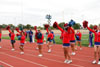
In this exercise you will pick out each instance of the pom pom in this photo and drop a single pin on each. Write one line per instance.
(85, 23)
(16, 28)
(55, 24)
(35, 27)
(71, 23)
(8, 27)
(46, 26)
(17, 35)
(65, 24)
(95, 27)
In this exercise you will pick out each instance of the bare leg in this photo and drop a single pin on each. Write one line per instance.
(95, 52)
(40, 49)
(21, 48)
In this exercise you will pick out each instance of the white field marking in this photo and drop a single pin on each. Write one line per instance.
(49, 59)
(24, 60)
(79, 55)
(61, 56)
(6, 63)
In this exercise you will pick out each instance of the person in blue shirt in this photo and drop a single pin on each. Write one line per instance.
(53, 36)
(90, 39)
(30, 36)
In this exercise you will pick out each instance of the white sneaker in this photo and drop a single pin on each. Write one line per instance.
(40, 55)
(73, 53)
(98, 62)
(94, 62)
(69, 61)
(75, 48)
(49, 50)
(25, 42)
(80, 48)
(0, 47)
(21, 52)
(37, 48)
(66, 61)
(12, 49)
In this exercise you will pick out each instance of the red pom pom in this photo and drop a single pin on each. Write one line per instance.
(35, 27)
(85, 23)
(17, 34)
(46, 26)
(55, 24)
(17, 29)
(65, 24)
(8, 27)
(95, 27)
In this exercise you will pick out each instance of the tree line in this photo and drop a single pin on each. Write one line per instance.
(28, 26)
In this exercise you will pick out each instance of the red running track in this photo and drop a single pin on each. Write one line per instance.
(10, 58)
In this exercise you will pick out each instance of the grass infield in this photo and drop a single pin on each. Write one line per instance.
(85, 39)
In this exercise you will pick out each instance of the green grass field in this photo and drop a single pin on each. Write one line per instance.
(85, 39)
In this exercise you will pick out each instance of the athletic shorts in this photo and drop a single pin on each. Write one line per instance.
(21, 43)
(78, 40)
(12, 41)
(97, 43)
(72, 41)
(50, 40)
(40, 43)
(0, 39)
(66, 44)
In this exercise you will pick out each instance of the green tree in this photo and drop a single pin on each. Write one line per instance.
(62, 24)
(28, 26)
(77, 26)
(91, 26)
(11, 25)
(4, 25)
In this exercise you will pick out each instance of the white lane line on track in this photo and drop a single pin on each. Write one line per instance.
(78, 55)
(61, 56)
(6, 63)
(24, 60)
(48, 59)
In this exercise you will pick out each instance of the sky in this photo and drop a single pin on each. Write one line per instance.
(34, 11)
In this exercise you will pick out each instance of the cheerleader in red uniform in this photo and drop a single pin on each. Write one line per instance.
(66, 41)
(78, 39)
(22, 42)
(0, 37)
(96, 42)
(72, 40)
(39, 37)
(49, 39)
(12, 37)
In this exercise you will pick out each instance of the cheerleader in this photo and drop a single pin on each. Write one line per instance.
(12, 37)
(72, 40)
(78, 39)
(22, 42)
(96, 42)
(66, 41)
(39, 37)
(49, 39)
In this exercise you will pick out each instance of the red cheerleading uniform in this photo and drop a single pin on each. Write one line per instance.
(97, 35)
(79, 34)
(72, 35)
(40, 40)
(22, 39)
(0, 35)
(65, 35)
(25, 33)
(50, 35)
(12, 35)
